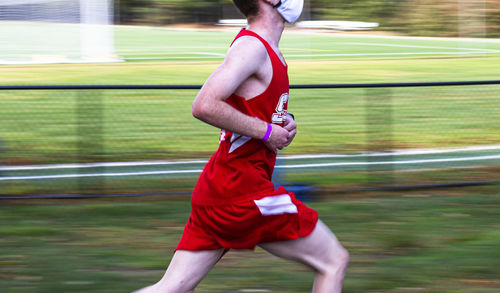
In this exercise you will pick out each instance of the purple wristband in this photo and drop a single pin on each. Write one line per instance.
(268, 132)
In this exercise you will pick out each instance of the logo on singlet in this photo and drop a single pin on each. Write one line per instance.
(280, 115)
(222, 136)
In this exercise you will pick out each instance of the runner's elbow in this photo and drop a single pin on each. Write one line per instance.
(200, 110)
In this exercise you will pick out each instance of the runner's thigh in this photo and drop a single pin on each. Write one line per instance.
(318, 250)
(187, 269)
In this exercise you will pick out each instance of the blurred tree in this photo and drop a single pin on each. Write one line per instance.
(160, 12)
(355, 10)
(493, 18)
(415, 17)
(207, 11)
(428, 18)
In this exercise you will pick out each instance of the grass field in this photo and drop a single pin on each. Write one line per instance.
(427, 241)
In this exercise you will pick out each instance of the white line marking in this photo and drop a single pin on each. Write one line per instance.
(99, 175)
(397, 153)
(410, 152)
(422, 47)
(162, 49)
(375, 36)
(167, 58)
(205, 55)
(480, 158)
(387, 54)
(97, 165)
(174, 52)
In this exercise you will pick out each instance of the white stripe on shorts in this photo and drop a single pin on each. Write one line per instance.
(276, 205)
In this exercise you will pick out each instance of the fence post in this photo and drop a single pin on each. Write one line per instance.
(2, 149)
(90, 141)
(379, 138)
(2, 160)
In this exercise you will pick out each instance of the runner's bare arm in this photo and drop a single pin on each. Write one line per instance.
(243, 60)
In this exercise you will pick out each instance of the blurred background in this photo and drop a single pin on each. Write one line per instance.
(398, 145)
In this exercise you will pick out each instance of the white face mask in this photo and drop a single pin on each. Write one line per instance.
(290, 10)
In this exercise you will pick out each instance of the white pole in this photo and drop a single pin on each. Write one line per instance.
(97, 31)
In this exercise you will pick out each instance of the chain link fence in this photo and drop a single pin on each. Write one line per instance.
(133, 140)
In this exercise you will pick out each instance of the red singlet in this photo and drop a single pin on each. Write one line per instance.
(234, 203)
(242, 167)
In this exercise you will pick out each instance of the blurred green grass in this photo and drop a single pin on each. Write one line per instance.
(69, 126)
(433, 241)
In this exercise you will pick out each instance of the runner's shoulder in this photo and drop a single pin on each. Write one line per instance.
(247, 47)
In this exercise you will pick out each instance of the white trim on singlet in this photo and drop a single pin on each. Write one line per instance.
(237, 141)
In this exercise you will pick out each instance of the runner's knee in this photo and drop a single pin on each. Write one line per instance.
(343, 257)
(336, 262)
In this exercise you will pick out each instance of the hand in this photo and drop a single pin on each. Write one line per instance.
(279, 138)
(291, 126)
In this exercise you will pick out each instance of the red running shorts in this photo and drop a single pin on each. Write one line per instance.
(243, 225)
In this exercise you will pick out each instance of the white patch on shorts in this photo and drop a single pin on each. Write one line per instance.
(276, 205)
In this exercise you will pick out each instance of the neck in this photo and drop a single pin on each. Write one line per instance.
(269, 25)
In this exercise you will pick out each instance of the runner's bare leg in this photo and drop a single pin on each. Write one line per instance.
(185, 271)
(321, 251)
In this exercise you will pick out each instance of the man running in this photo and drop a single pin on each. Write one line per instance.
(234, 203)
